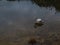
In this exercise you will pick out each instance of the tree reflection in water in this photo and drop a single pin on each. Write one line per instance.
(48, 3)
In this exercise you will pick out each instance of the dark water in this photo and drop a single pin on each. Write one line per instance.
(17, 20)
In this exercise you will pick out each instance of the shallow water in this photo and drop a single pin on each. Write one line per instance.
(17, 19)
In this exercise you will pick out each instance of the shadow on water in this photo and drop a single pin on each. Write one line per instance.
(48, 3)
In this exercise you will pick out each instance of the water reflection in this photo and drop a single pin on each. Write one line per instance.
(48, 3)
(22, 14)
(17, 19)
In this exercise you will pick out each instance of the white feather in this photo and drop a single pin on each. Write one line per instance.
(38, 20)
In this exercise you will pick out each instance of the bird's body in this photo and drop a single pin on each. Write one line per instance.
(38, 20)
(38, 23)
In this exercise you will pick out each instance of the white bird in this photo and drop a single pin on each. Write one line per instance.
(38, 20)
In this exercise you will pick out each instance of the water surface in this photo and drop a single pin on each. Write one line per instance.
(17, 20)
